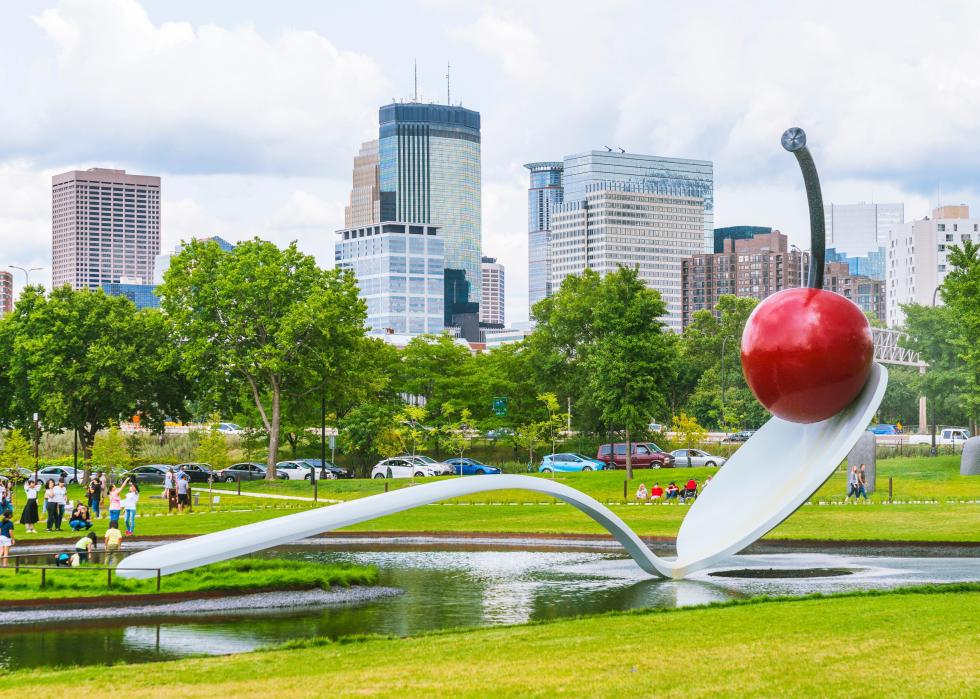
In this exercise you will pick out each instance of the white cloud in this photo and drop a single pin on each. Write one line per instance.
(513, 44)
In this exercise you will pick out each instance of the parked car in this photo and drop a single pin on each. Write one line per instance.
(441, 468)
(19, 474)
(569, 463)
(743, 436)
(698, 458)
(655, 427)
(247, 471)
(229, 428)
(197, 472)
(325, 469)
(948, 436)
(471, 467)
(399, 467)
(883, 429)
(151, 473)
(643, 455)
(499, 433)
(70, 474)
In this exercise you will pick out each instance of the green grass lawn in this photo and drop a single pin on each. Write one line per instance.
(892, 644)
(236, 575)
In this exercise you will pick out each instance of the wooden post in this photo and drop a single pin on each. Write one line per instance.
(109, 580)
(158, 579)
(43, 571)
(239, 484)
(386, 485)
(625, 486)
(889, 488)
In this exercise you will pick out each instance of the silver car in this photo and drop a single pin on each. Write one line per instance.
(698, 458)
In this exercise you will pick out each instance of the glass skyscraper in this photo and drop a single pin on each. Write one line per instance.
(543, 195)
(430, 173)
(671, 176)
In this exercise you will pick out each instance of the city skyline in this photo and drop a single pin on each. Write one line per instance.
(238, 166)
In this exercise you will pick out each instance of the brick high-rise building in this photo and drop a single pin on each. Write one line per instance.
(762, 265)
(105, 225)
(6, 292)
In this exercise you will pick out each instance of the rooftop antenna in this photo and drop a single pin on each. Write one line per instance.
(608, 148)
(448, 102)
(621, 149)
(416, 98)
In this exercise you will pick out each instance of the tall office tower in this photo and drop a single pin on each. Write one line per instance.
(543, 195)
(754, 267)
(917, 257)
(736, 233)
(678, 177)
(364, 207)
(399, 269)
(430, 174)
(629, 225)
(858, 229)
(105, 226)
(492, 290)
(6, 292)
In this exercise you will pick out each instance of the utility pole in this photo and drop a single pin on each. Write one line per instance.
(448, 102)
(37, 445)
(569, 428)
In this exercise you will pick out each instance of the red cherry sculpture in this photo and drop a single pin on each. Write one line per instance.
(806, 353)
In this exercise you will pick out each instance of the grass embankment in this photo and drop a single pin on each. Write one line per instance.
(890, 644)
(239, 575)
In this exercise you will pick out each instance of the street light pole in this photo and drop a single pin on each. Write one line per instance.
(27, 272)
(723, 419)
(932, 450)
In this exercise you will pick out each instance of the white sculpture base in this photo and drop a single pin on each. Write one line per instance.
(766, 480)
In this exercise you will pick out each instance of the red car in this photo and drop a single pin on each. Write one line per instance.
(643, 455)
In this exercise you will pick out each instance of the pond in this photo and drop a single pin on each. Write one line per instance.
(454, 588)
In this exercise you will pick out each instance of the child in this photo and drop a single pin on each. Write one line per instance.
(113, 537)
(6, 536)
(85, 546)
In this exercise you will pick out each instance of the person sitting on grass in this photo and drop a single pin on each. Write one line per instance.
(85, 546)
(641, 492)
(6, 536)
(80, 518)
(113, 538)
(672, 490)
(656, 492)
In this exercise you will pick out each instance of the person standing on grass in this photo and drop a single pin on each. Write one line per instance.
(50, 506)
(29, 517)
(6, 536)
(115, 504)
(86, 546)
(852, 484)
(129, 504)
(95, 497)
(61, 499)
(103, 487)
(113, 539)
(183, 491)
(862, 484)
(4, 497)
(168, 488)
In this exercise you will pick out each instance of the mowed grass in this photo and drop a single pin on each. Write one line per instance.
(892, 644)
(229, 576)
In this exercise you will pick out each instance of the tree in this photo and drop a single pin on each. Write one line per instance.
(530, 436)
(267, 317)
(110, 451)
(212, 448)
(434, 368)
(689, 432)
(82, 359)
(961, 291)
(456, 431)
(16, 453)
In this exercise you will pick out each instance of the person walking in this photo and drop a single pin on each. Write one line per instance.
(61, 499)
(115, 504)
(129, 504)
(94, 493)
(852, 484)
(862, 484)
(50, 506)
(168, 489)
(29, 517)
(183, 491)
(6, 536)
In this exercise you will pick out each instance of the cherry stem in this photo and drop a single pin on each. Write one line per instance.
(794, 140)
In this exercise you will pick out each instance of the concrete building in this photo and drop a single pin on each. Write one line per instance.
(429, 173)
(544, 193)
(679, 177)
(492, 293)
(6, 292)
(755, 267)
(762, 265)
(399, 268)
(917, 253)
(858, 229)
(105, 225)
(736, 233)
(364, 207)
(618, 224)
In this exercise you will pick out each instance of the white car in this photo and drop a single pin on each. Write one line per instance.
(294, 470)
(229, 428)
(698, 458)
(402, 467)
(439, 467)
(70, 474)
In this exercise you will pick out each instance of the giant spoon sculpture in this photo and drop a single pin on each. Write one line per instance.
(807, 356)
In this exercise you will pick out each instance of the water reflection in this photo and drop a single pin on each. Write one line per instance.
(451, 589)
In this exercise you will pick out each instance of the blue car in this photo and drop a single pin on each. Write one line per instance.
(471, 467)
(566, 463)
(883, 429)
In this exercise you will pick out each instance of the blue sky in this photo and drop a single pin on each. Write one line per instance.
(252, 111)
